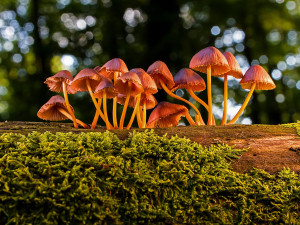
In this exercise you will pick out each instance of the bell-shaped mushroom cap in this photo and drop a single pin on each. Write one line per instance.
(113, 65)
(122, 82)
(49, 111)
(149, 99)
(187, 78)
(147, 81)
(210, 56)
(166, 115)
(235, 69)
(107, 86)
(79, 82)
(55, 82)
(257, 74)
(121, 100)
(159, 70)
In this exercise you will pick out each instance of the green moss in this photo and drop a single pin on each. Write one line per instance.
(96, 178)
(293, 125)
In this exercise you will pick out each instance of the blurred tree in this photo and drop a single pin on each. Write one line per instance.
(38, 38)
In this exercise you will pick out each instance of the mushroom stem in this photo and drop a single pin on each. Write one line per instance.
(65, 113)
(201, 102)
(105, 107)
(115, 121)
(224, 118)
(68, 104)
(125, 106)
(197, 98)
(96, 114)
(108, 125)
(189, 118)
(139, 116)
(209, 100)
(137, 105)
(239, 113)
(182, 99)
(144, 115)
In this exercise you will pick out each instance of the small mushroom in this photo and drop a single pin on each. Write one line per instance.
(149, 89)
(104, 90)
(193, 82)
(87, 80)
(56, 109)
(168, 114)
(163, 78)
(60, 82)
(212, 62)
(235, 71)
(129, 84)
(147, 101)
(112, 69)
(256, 78)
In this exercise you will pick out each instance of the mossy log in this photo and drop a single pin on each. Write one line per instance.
(270, 147)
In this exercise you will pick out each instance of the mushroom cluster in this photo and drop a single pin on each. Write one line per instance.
(136, 89)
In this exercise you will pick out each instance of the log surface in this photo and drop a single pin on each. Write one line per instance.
(269, 146)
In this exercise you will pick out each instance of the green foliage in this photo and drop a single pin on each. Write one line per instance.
(95, 178)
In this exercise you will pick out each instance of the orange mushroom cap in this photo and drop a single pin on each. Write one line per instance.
(79, 83)
(107, 85)
(235, 69)
(187, 78)
(55, 82)
(159, 70)
(122, 81)
(121, 100)
(257, 74)
(210, 56)
(149, 99)
(49, 111)
(147, 81)
(111, 66)
(166, 115)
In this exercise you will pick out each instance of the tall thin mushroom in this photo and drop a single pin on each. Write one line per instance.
(56, 109)
(167, 114)
(212, 62)
(192, 82)
(236, 72)
(87, 80)
(149, 88)
(104, 90)
(112, 70)
(163, 78)
(256, 78)
(60, 82)
(129, 84)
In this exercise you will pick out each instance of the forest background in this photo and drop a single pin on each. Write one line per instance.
(38, 38)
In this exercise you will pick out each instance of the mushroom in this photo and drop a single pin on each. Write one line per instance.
(104, 90)
(87, 80)
(60, 82)
(256, 78)
(235, 71)
(113, 69)
(149, 89)
(212, 62)
(168, 114)
(190, 80)
(147, 101)
(56, 109)
(129, 84)
(164, 79)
